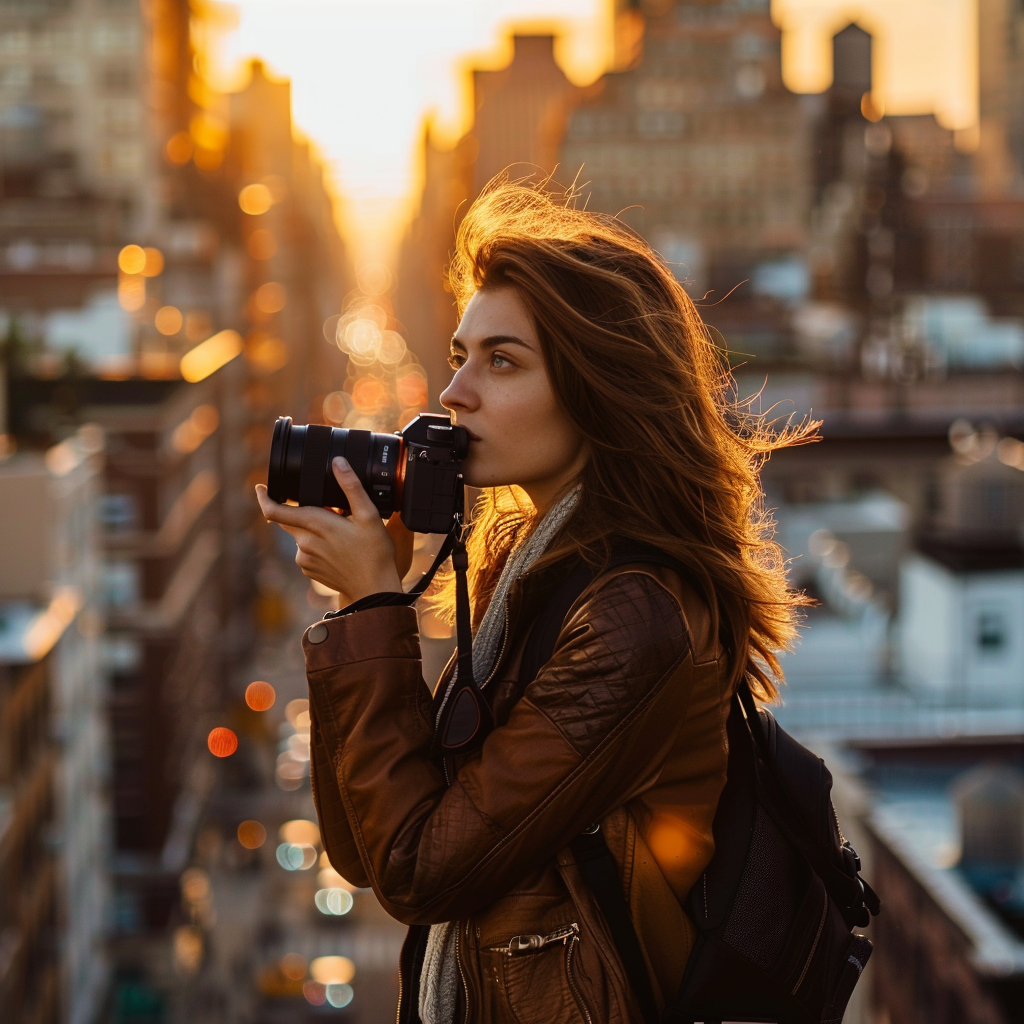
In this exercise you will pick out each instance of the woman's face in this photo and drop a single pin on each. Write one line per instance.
(502, 395)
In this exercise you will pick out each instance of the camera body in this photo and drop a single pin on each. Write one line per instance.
(416, 472)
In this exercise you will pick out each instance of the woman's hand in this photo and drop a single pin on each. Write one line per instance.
(354, 554)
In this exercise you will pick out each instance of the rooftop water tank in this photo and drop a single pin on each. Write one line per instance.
(990, 805)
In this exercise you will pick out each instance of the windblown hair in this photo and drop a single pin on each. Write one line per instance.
(674, 460)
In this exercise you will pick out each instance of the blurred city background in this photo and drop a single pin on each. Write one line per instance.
(185, 254)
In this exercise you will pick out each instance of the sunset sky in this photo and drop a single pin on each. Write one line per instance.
(364, 74)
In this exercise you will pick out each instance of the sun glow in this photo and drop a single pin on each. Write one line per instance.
(364, 76)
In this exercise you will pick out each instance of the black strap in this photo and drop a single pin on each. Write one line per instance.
(394, 597)
(465, 718)
(595, 860)
(601, 873)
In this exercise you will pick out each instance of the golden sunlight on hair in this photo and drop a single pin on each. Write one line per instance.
(633, 365)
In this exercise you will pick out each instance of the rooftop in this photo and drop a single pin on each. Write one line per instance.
(963, 555)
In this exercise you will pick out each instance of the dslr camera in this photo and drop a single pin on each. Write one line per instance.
(416, 472)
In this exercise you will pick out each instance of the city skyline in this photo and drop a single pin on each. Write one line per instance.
(925, 62)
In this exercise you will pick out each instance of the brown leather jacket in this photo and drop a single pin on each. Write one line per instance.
(625, 725)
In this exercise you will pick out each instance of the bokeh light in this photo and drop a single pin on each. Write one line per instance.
(131, 259)
(255, 199)
(293, 966)
(179, 148)
(369, 395)
(188, 949)
(222, 741)
(332, 970)
(296, 856)
(339, 995)
(294, 708)
(265, 352)
(411, 387)
(333, 902)
(131, 292)
(315, 993)
(300, 831)
(154, 262)
(260, 695)
(261, 244)
(392, 348)
(195, 885)
(270, 297)
(210, 355)
(337, 406)
(188, 435)
(328, 878)
(168, 320)
(374, 279)
(251, 834)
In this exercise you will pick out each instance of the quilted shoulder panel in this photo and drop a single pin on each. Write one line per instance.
(624, 639)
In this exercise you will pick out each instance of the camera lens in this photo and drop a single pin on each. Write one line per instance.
(300, 464)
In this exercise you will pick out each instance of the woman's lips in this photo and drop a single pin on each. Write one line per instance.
(472, 436)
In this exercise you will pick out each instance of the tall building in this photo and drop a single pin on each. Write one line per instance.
(166, 277)
(1000, 156)
(520, 112)
(55, 842)
(699, 146)
(520, 115)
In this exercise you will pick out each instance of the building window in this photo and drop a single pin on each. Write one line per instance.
(121, 584)
(119, 513)
(991, 635)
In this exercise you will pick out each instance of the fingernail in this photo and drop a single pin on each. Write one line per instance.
(341, 463)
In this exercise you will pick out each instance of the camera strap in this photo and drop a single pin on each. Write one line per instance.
(465, 718)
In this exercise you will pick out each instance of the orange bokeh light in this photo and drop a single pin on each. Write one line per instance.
(412, 389)
(154, 262)
(168, 320)
(179, 148)
(255, 199)
(260, 696)
(222, 741)
(270, 297)
(261, 244)
(132, 259)
(252, 835)
(369, 394)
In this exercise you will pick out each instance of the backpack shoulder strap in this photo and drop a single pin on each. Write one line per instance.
(594, 859)
(601, 873)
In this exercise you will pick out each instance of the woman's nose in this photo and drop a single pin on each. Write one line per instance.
(459, 394)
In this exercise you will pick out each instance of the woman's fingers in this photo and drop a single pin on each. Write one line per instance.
(358, 500)
(292, 517)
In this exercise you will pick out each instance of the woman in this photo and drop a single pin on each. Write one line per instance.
(598, 412)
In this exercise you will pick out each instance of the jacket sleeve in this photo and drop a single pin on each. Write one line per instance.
(591, 731)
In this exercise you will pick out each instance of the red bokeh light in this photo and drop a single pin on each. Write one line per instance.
(222, 742)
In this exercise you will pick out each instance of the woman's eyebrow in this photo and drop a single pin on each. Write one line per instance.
(493, 341)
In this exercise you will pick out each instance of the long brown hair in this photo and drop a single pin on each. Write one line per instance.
(674, 459)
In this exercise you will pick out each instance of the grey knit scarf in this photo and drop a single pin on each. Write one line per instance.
(439, 979)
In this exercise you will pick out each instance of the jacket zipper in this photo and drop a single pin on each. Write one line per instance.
(398, 1012)
(574, 988)
(814, 947)
(462, 976)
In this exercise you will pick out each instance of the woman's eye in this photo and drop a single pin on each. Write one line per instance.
(499, 362)
(455, 360)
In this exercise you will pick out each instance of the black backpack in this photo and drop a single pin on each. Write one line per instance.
(775, 908)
